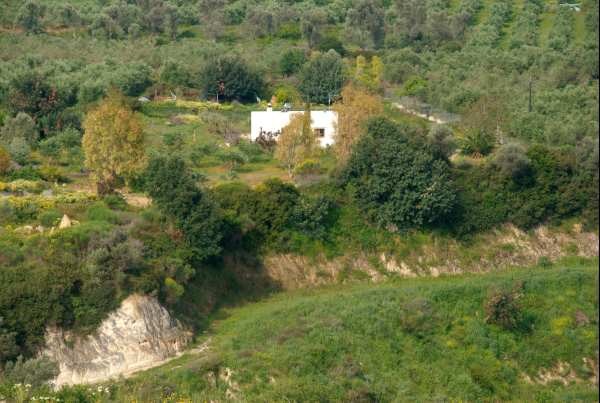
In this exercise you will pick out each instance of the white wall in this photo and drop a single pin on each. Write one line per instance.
(273, 121)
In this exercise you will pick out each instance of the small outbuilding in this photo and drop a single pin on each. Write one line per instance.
(269, 123)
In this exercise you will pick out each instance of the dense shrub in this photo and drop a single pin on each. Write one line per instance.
(65, 140)
(8, 343)
(503, 308)
(291, 61)
(511, 160)
(441, 140)
(99, 211)
(29, 17)
(314, 216)
(19, 150)
(322, 78)
(552, 189)
(31, 92)
(331, 42)
(396, 180)
(34, 372)
(50, 218)
(231, 78)
(173, 188)
(21, 126)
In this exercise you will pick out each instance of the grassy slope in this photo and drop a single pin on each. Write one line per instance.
(338, 344)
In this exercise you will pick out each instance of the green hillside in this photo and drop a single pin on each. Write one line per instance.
(423, 339)
(467, 141)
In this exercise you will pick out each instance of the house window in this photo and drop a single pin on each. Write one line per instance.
(320, 132)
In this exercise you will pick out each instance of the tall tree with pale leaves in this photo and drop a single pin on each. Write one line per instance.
(113, 142)
(297, 142)
(355, 107)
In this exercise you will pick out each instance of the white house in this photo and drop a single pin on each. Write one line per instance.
(271, 122)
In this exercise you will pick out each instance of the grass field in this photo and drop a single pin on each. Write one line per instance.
(417, 340)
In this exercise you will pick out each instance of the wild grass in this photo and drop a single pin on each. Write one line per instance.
(419, 340)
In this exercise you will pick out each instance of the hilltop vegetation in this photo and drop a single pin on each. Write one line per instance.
(131, 118)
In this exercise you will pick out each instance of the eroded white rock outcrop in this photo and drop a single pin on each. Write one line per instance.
(139, 335)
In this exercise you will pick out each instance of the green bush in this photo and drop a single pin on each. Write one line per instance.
(291, 61)
(115, 201)
(314, 216)
(322, 78)
(19, 150)
(396, 180)
(99, 211)
(503, 308)
(477, 143)
(64, 140)
(173, 189)
(34, 372)
(553, 189)
(231, 78)
(50, 218)
(512, 161)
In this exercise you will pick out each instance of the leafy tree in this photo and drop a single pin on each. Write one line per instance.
(511, 159)
(212, 16)
(369, 75)
(173, 189)
(402, 64)
(113, 142)
(313, 216)
(66, 15)
(330, 41)
(171, 21)
(4, 161)
(132, 79)
(174, 74)
(261, 22)
(484, 123)
(68, 140)
(286, 93)
(230, 77)
(411, 20)
(311, 25)
(123, 15)
(396, 180)
(441, 141)
(173, 289)
(30, 92)
(292, 61)
(296, 142)
(322, 78)
(355, 107)
(19, 150)
(273, 207)
(105, 27)
(29, 17)
(365, 24)
(21, 126)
